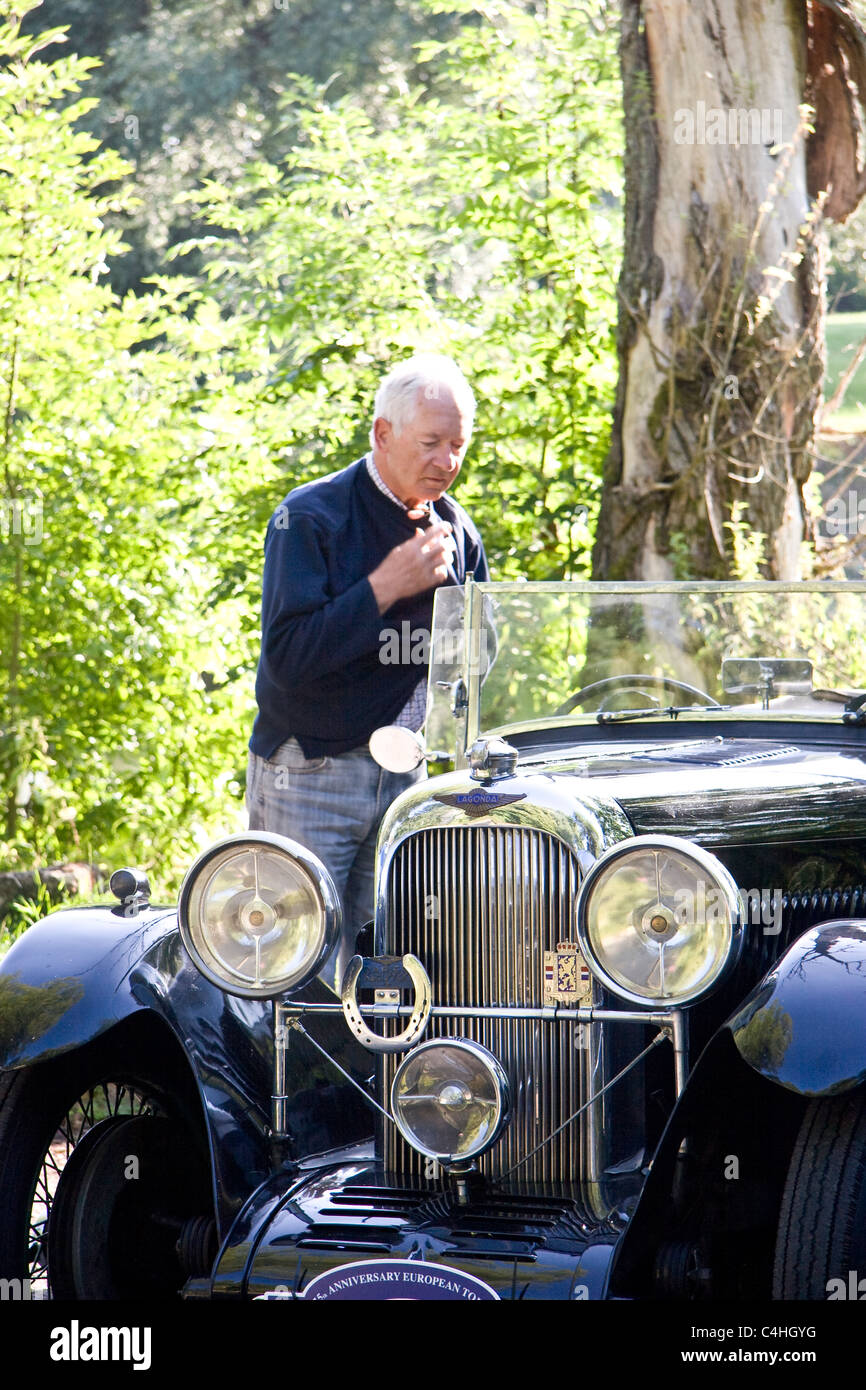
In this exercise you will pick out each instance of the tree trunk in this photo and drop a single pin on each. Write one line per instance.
(721, 327)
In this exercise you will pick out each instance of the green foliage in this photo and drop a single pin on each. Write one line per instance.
(478, 216)
(749, 547)
(23, 912)
(103, 626)
(147, 438)
(187, 90)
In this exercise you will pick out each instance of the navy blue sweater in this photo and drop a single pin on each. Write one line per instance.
(321, 678)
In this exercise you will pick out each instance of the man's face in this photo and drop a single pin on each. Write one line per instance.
(420, 464)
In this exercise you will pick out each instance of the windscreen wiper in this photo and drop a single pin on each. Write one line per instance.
(619, 716)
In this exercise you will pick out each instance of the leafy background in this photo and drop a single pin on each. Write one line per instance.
(219, 224)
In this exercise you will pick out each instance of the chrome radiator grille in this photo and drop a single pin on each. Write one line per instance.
(479, 906)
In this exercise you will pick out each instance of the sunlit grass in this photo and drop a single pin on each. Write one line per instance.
(844, 334)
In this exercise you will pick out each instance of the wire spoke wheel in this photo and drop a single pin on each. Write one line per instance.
(101, 1172)
(104, 1102)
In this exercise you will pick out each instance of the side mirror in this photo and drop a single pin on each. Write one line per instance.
(396, 748)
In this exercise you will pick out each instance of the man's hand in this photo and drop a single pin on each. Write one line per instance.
(414, 566)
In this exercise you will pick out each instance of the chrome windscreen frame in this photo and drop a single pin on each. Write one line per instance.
(457, 687)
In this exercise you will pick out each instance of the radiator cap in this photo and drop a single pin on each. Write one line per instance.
(490, 759)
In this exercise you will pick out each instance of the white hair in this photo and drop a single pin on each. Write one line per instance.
(397, 396)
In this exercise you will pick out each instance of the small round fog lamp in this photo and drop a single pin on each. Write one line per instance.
(450, 1099)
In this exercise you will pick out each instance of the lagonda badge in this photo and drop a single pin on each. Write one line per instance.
(478, 802)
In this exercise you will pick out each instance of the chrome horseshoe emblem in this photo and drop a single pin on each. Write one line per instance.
(417, 1020)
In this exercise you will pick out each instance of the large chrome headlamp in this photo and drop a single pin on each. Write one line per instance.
(658, 920)
(259, 914)
(450, 1100)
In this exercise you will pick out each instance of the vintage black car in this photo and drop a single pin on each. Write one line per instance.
(606, 1037)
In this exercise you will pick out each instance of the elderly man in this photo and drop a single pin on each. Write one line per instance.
(349, 559)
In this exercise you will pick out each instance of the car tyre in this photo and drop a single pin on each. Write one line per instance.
(822, 1223)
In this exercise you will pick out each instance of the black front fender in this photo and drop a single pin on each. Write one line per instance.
(804, 1028)
(80, 973)
(67, 979)
(716, 1181)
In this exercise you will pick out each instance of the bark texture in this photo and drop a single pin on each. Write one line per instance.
(721, 328)
(836, 87)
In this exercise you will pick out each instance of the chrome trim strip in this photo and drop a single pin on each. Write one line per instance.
(671, 586)
(279, 1099)
(586, 1014)
(711, 715)
(473, 601)
(681, 1049)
